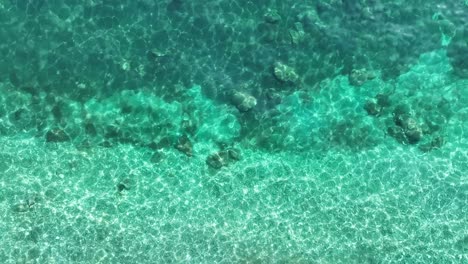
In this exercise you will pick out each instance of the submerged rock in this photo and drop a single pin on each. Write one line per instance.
(184, 145)
(25, 205)
(243, 102)
(397, 133)
(360, 76)
(383, 100)
(56, 135)
(435, 143)
(155, 54)
(217, 160)
(234, 154)
(414, 135)
(124, 185)
(457, 51)
(272, 16)
(223, 158)
(372, 107)
(407, 129)
(297, 34)
(285, 73)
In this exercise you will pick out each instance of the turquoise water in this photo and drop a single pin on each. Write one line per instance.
(233, 131)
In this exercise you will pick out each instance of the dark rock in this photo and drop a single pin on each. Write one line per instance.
(426, 147)
(434, 122)
(184, 145)
(21, 207)
(124, 185)
(457, 51)
(155, 54)
(272, 16)
(273, 97)
(157, 157)
(285, 73)
(383, 100)
(243, 101)
(57, 112)
(297, 34)
(411, 124)
(20, 114)
(90, 129)
(397, 133)
(406, 122)
(234, 154)
(106, 144)
(223, 158)
(189, 126)
(435, 143)
(410, 130)
(372, 107)
(164, 142)
(25, 205)
(401, 109)
(29, 89)
(57, 135)
(217, 160)
(413, 136)
(14, 79)
(359, 77)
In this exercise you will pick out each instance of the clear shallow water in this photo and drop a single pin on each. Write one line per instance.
(219, 133)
